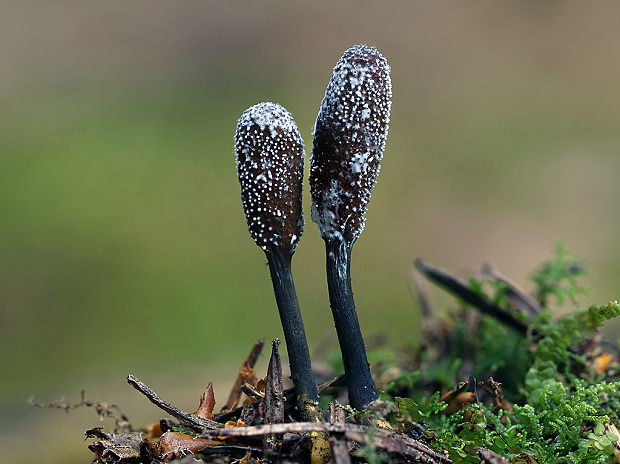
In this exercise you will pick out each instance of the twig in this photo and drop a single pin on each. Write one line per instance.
(289, 396)
(459, 288)
(230, 449)
(250, 362)
(251, 392)
(392, 443)
(517, 297)
(192, 421)
(388, 441)
(419, 290)
(103, 409)
(337, 414)
(340, 449)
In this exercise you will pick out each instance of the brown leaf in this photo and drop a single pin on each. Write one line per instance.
(261, 385)
(123, 447)
(460, 401)
(232, 425)
(251, 392)
(246, 368)
(207, 401)
(454, 391)
(153, 430)
(247, 374)
(175, 443)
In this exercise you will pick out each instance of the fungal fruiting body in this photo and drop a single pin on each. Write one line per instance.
(270, 165)
(349, 139)
(269, 153)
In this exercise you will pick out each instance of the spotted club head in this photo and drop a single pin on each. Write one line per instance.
(269, 152)
(349, 138)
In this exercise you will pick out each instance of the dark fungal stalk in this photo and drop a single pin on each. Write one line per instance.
(349, 139)
(269, 152)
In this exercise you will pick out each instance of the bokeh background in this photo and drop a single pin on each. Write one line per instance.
(123, 246)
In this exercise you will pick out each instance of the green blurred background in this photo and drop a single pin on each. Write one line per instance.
(123, 245)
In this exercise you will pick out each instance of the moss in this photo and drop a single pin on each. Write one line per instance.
(559, 398)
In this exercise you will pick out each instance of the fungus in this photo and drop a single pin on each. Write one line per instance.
(269, 153)
(349, 138)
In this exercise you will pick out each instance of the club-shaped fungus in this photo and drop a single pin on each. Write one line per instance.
(269, 152)
(349, 139)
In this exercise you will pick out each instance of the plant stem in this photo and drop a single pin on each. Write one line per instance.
(294, 333)
(361, 387)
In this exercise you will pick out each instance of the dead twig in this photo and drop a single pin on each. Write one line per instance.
(123, 447)
(235, 392)
(103, 410)
(419, 290)
(289, 398)
(393, 443)
(459, 288)
(252, 392)
(390, 442)
(230, 450)
(192, 421)
(340, 448)
(517, 297)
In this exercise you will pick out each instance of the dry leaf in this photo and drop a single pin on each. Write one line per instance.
(460, 401)
(123, 447)
(207, 402)
(175, 443)
(247, 374)
(261, 385)
(232, 425)
(153, 430)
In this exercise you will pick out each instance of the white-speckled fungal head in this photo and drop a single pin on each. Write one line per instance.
(349, 138)
(270, 165)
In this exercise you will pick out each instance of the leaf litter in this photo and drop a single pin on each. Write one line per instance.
(442, 401)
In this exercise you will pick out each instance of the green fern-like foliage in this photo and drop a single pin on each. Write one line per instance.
(562, 403)
(559, 277)
(552, 357)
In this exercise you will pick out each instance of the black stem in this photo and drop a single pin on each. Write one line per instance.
(293, 326)
(361, 387)
(460, 289)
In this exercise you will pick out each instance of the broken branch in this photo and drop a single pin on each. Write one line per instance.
(235, 392)
(457, 287)
(192, 421)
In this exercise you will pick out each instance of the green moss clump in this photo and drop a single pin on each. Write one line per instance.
(560, 387)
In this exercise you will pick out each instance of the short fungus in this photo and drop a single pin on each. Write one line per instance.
(269, 153)
(349, 139)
